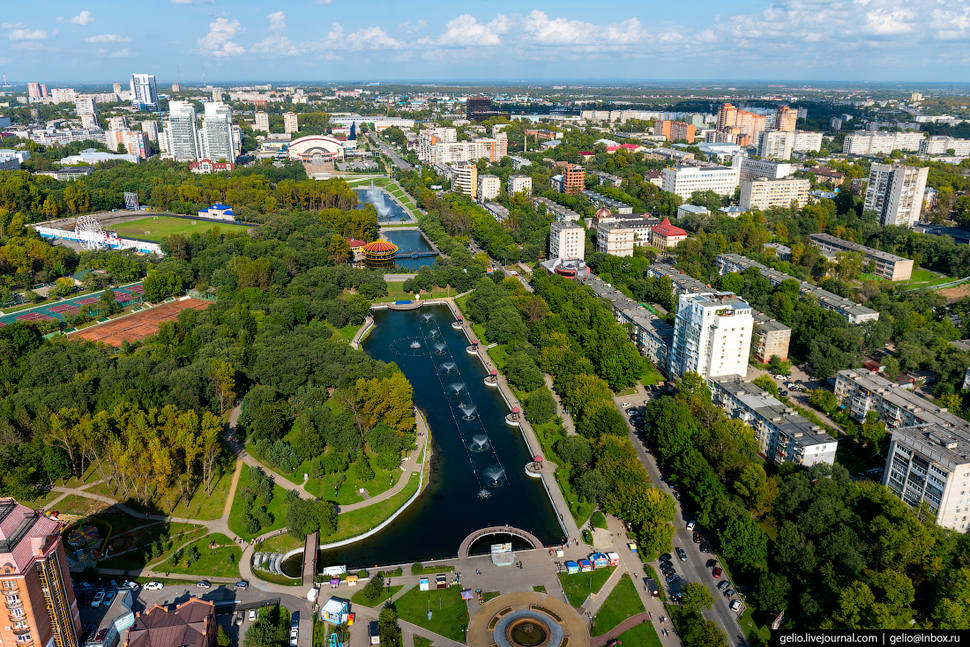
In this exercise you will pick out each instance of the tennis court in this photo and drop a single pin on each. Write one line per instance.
(139, 325)
(124, 296)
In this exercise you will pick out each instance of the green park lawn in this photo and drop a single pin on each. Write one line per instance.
(622, 603)
(579, 585)
(78, 505)
(348, 492)
(168, 535)
(395, 292)
(421, 641)
(156, 228)
(199, 505)
(359, 521)
(279, 544)
(221, 561)
(642, 635)
(449, 614)
(386, 592)
(276, 508)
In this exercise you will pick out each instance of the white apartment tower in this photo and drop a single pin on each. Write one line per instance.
(291, 123)
(464, 178)
(762, 193)
(684, 180)
(489, 186)
(712, 335)
(144, 94)
(262, 121)
(180, 132)
(217, 140)
(895, 193)
(567, 241)
(518, 183)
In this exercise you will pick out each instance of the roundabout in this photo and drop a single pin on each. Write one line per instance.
(527, 620)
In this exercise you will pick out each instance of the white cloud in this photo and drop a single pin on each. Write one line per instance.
(107, 38)
(10, 25)
(277, 42)
(372, 38)
(466, 31)
(218, 42)
(83, 18)
(121, 53)
(581, 36)
(27, 34)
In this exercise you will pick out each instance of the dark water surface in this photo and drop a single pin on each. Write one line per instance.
(478, 461)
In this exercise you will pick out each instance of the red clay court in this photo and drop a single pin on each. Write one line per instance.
(139, 325)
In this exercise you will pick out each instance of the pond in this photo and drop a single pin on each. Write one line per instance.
(409, 241)
(478, 461)
(388, 210)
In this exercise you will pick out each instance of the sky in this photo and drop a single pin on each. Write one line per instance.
(94, 41)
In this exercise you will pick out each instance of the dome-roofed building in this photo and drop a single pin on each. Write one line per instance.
(601, 213)
(315, 147)
(380, 253)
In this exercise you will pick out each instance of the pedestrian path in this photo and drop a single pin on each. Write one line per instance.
(629, 623)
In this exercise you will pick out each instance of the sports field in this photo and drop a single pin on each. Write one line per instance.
(155, 228)
(139, 325)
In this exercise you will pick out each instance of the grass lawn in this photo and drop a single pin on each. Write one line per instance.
(428, 570)
(279, 544)
(622, 603)
(449, 615)
(220, 561)
(539, 589)
(266, 576)
(356, 522)
(395, 292)
(383, 480)
(490, 595)
(386, 592)
(41, 499)
(276, 508)
(421, 641)
(751, 628)
(204, 505)
(650, 375)
(642, 635)
(348, 332)
(598, 520)
(578, 586)
(156, 228)
(79, 505)
(168, 535)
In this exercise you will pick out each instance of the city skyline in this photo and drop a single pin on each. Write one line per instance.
(186, 40)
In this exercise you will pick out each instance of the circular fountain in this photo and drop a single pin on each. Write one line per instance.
(479, 443)
(448, 367)
(415, 344)
(468, 410)
(439, 348)
(494, 476)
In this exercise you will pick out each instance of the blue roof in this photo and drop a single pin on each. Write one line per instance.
(220, 207)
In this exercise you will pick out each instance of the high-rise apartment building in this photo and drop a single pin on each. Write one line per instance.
(518, 183)
(85, 106)
(181, 132)
(942, 145)
(712, 335)
(144, 93)
(684, 180)
(895, 193)
(262, 121)
(675, 130)
(567, 241)
(742, 126)
(762, 193)
(150, 128)
(489, 186)
(573, 178)
(752, 168)
(217, 140)
(786, 118)
(441, 146)
(37, 90)
(291, 123)
(35, 581)
(878, 143)
(776, 144)
(63, 95)
(117, 123)
(464, 178)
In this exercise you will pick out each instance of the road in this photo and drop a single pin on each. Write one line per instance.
(695, 568)
(391, 153)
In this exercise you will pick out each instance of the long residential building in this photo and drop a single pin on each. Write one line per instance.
(941, 145)
(850, 310)
(770, 338)
(601, 200)
(441, 146)
(877, 143)
(929, 464)
(778, 144)
(615, 238)
(860, 391)
(517, 183)
(35, 581)
(464, 178)
(684, 180)
(885, 265)
(783, 436)
(762, 193)
(712, 335)
(560, 212)
(751, 168)
(895, 193)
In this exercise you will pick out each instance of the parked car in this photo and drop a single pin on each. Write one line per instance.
(131, 586)
(665, 557)
(252, 614)
(735, 606)
(723, 584)
(781, 377)
(294, 634)
(697, 537)
(717, 572)
(109, 596)
(705, 547)
(691, 524)
(682, 554)
(204, 584)
(711, 563)
(729, 592)
(241, 585)
(154, 586)
(673, 579)
(98, 599)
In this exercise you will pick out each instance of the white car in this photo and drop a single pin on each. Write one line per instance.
(252, 614)
(98, 599)
(294, 634)
(154, 586)
(735, 605)
(781, 378)
(690, 525)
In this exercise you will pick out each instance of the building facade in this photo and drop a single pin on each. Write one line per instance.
(783, 436)
(878, 143)
(567, 241)
(665, 236)
(770, 339)
(895, 193)
(752, 168)
(684, 180)
(942, 145)
(763, 193)
(519, 183)
(35, 581)
(217, 139)
(291, 123)
(262, 121)
(615, 238)
(464, 178)
(785, 119)
(885, 265)
(573, 178)
(929, 465)
(776, 144)
(712, 335)
(181, 133)
(144, 93)
(489, 186)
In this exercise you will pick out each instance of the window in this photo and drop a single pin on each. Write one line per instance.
(17, 613)
(24, 638)
(9, 585)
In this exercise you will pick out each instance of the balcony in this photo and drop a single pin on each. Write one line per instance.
(14, 604)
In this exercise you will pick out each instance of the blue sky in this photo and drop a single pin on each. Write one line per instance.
(240, 40)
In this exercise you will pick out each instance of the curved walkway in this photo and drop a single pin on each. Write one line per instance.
(629, 623)
(467, 542)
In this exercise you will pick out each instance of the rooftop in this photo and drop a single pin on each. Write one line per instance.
(905, 399)
(23, 532)
(667, 229)
(856, 247)
(184, 626)
(947, 447)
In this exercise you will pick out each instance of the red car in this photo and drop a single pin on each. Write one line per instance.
(717, 572)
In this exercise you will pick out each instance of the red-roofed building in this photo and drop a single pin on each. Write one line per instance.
(356, 249)
(35, 581)
(587, 156)
(190, 624)
(666, 236)
(205, 166)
